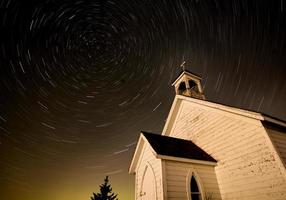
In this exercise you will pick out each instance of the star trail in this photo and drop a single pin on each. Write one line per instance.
(80, 79)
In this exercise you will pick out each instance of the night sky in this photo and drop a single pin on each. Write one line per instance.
(80, 79)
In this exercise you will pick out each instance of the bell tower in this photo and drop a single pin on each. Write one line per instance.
(189, 84)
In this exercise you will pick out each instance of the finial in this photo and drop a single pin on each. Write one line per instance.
(183, 65)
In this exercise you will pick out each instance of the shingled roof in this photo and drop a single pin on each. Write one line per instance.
(170, 146)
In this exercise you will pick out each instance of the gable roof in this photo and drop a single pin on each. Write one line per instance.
(170, 146)
(219, 107)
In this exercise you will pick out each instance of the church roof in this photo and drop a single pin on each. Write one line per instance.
(274, 126)
(170, 146)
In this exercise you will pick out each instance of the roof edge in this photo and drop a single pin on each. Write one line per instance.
(274, 120)
(136, 154)
(141, 141)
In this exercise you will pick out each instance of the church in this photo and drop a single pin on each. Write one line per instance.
(210, 151)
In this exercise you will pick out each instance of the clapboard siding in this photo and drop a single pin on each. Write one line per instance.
(279, 140)
(177, 179)
(148, 157)
(248, 167)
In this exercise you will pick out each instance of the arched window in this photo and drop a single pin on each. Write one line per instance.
(195, 191)
(182, 88)
(148, 184)
(193, 86)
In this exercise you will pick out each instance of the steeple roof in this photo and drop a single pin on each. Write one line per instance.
(187, 72)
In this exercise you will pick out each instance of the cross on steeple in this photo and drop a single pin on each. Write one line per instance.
(183, 65)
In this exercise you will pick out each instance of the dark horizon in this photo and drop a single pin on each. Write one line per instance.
(79, 80)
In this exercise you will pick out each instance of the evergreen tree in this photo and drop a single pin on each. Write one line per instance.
(105, 192)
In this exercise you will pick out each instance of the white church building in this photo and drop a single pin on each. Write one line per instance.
(209, 151)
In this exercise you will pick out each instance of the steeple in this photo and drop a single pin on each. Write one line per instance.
(189, 84)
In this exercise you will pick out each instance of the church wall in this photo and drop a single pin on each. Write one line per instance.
(279, 140)
(148, 158)
(177, 179)
(248, 167)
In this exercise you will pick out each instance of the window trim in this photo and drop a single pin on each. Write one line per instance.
(193, 173)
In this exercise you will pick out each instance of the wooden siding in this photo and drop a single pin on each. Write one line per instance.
(177, 179)
(248, 167)
(279, 140)
(148, 158)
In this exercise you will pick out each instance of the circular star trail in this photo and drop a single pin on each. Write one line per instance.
(80, 79)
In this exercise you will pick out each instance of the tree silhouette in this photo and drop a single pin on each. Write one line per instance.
(105, 192)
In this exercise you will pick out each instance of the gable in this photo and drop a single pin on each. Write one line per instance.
(141, 145)
(233, 112)
(169, 148)
(180, 103)
(146, 162)
(237, 140)
(186, 113)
